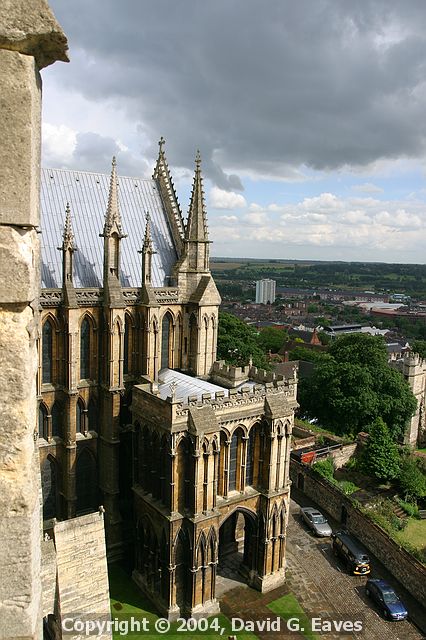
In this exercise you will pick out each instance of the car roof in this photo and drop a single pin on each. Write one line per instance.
(381, 583)
(311, 510)
(351, 543)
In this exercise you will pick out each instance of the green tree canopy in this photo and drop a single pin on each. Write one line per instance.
(359, 348)
(412, 480)
(272, 339)
(237, 342)
(356, 386)
(310, 355)
(381, 456)
(419, 346)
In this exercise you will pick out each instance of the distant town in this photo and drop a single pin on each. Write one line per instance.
(331, 297)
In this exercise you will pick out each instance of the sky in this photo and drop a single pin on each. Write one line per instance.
(310, 116)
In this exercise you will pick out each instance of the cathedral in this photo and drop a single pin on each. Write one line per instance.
(188, 456)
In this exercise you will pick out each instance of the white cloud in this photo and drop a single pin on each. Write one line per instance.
(59, 143)
(367, 187)
(220, 199)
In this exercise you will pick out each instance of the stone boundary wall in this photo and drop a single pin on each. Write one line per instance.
(83, 586)
(342, 455)
(404, 567)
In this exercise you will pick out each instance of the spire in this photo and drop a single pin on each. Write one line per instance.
(147, 240)
(196, 227)
(112, 216)
(167, 191)
(147, 252)
(68, 242)
(68, 248)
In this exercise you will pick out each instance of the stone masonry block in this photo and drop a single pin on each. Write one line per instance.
(31, 28)
(19, 260)
(18, 364)
(20, 108)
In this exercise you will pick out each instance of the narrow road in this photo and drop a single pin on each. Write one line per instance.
(326, 590)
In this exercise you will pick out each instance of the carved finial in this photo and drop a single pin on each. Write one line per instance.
(198, 159)
(114, 161)
(161, 144)
(148, 246)
(250, 362)
(173, 387)
(101, 509)
(68, 235)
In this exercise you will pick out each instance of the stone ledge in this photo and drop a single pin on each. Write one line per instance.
(31, 28)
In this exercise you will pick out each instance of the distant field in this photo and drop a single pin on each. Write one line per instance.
(223, 266)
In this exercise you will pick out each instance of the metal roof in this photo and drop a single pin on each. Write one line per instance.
(87, 194)
(186, 386)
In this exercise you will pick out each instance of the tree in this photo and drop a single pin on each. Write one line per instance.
(237, 342)
(381, 457)
(419, 346)
(310, 355)
(355, 386)
(272, 339)
(412, 480)
(359, 348)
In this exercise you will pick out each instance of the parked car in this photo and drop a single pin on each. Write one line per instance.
(316, 521)
(357, 560)
(384, 595)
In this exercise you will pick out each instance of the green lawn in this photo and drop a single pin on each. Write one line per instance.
(127, 600)
(288, 607)
(414, 533)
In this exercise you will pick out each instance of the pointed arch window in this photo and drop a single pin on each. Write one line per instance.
(49, 489)
(86, 482)
(127, 345)
(250, 457)
(234, 454)
(79, 417)
(47, 352)
(93, 416)
(57, 416)
(42, 422)
(166, 335)
(85, 349)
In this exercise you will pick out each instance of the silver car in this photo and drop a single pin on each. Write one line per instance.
(316, 521)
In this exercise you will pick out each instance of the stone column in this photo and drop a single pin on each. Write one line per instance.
(30, 39)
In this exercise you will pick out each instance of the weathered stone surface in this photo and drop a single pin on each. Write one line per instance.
(20, 107)
(48, 576)
(82, 569)
(19, 546)
(32, 29)
(19, 260)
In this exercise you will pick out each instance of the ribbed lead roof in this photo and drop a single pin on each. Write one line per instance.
(87, 194)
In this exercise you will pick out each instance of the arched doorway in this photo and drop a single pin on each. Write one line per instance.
(237, 548)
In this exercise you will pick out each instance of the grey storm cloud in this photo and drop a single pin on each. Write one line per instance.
(259, 87)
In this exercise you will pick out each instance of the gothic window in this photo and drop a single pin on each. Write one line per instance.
(49, 489)
(42, 422)
(79, 417)
(166, 333)
(127, 364)
(85, 349)
(57, 416)
(47, 352)
(193, 343)
(233, 457)
(93, 416)
(250, 456)
(86, 482)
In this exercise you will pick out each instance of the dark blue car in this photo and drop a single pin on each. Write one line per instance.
(384, 595)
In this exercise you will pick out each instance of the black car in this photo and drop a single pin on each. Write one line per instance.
(355, 557)
(384, 595)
